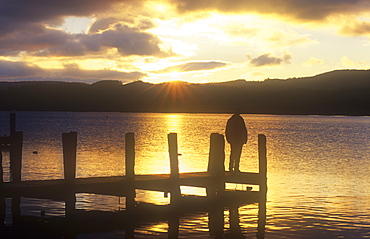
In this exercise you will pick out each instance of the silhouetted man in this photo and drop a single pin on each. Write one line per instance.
(236, 135)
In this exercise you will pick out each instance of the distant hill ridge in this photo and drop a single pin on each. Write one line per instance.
(336, 92)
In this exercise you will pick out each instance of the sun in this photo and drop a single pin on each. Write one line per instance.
(174, 76)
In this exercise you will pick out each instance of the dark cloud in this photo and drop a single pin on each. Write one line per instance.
(41, 41)
(359, 28)
(20, 70)
(32, 39)
(268, 60)
(9, 70)
(304, 10)
(19, 14)
(23, 29)
(194, 66)
(73, 71)
(102, 24)
(128, 41)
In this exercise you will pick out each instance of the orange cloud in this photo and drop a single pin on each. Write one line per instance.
(313, 10)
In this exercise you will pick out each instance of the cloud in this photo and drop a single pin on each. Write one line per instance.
(128, 41)
(313, 61)
(288, 39)
(73, 71)
(21, 70)
(29, 27)
(356, 28)
(31, 39)
(20, 14)
(10, 70)
(313, 10)
(42, 41)
(194, 66)
(102, 24)
(346, 62)
(268, 60)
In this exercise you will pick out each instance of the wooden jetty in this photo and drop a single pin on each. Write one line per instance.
(213, 180)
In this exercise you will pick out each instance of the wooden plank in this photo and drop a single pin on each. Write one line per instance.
(119, 185)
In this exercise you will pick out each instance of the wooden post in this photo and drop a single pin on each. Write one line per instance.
(70, 214)
(16, 144)
(130, 155)
(172, 149)
(262, 163)
(174, 165)
(2, 211)
(2, 198)
(216, 222)
(130, 170)
(216, 160)
(262, 152)
(69, 156)
(16, 209)
(70, 204)
(216, 164)
(261, 227)
(173, 226)
(1, 171)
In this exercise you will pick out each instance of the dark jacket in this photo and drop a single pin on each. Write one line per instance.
(236, 131)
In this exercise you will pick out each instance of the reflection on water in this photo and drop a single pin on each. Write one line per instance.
(317, 165)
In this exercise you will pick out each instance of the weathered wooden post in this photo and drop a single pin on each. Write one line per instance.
(16, 144)
(130, 169)
(15, 150)
(69, 156)
(216, 164)
(262, 156)
(2, 198)
(1, 171)
(174, 165)
(16, 209)
(216, 221)
(261, 227)
(173, 226)
(262, 152)
(130, 155)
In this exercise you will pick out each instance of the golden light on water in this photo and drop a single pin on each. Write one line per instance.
(173, 123)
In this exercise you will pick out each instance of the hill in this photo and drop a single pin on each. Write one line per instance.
(343, 92)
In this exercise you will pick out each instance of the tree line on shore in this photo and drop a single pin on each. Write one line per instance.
(341, 92)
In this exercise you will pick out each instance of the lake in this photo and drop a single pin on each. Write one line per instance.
(318, 167)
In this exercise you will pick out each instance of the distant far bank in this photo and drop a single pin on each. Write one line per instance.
(341, 92)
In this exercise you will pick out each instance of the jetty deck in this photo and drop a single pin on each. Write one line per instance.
(213, 180)
(121, 185)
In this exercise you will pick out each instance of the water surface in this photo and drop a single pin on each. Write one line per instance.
(318, 166)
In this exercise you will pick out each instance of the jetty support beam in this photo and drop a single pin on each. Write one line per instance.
(130, 169)
(262, 152)
(69, 156)
(174, 166)
(16, 145)
(216, 164)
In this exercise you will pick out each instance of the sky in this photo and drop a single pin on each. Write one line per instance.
(169, 40)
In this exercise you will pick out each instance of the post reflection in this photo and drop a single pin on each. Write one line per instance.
(224, 221)
(216, 223)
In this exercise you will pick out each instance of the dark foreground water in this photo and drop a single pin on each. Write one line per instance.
(318, 169)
